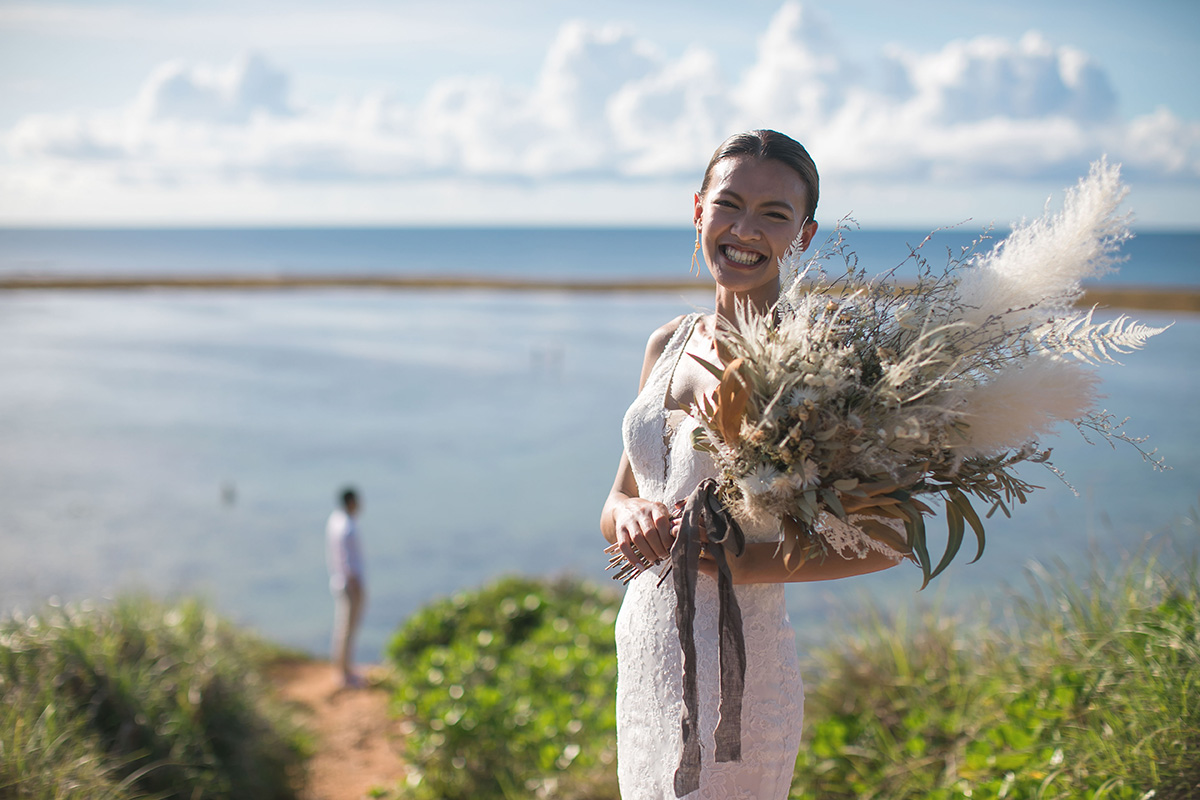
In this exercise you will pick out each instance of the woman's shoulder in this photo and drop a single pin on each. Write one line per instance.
(659, 340)
(662, 334)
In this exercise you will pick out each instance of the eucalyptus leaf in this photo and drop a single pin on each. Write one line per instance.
(955, 531)
(963, 503)
(718, 372)
(833, 503)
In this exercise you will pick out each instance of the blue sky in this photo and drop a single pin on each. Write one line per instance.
(545, 112)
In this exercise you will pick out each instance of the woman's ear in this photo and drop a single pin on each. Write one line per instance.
(698, 203)
(810, 230)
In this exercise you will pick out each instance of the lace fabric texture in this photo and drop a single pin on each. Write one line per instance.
(649, 682)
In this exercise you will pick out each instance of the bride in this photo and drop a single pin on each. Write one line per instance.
(759, 193)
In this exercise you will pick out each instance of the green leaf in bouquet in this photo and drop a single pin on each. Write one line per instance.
(717, 371)
(1000, 505)
(963, 503)
(914, 526)
(883, 533)
(833, 503)
(955, 528)
(702, 442)
(798, 544)
(872, 495)
(808, 511)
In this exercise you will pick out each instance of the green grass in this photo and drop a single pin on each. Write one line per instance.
(140, 699)
(1091, 692)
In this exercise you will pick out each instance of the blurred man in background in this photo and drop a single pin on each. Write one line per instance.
(344, 555)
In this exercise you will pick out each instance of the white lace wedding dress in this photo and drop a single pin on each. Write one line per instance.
(649, 657)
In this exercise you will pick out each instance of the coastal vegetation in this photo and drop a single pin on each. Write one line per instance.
(510, 691)
(1085, 688)
(1082, 686)
(140, 698)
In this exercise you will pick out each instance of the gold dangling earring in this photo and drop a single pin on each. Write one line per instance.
(695, 270)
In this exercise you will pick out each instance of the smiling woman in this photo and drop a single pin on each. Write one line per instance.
(748, 211)
(708, 674)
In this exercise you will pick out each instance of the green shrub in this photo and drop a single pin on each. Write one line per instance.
(510, 691)
(137, 699)
(1091, 695)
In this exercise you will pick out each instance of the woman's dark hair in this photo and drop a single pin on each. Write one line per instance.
(349, 495)
(768, 145)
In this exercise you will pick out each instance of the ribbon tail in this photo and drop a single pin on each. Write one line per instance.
(726, 533)
(733, 666)
(723, 532)
(685, 560)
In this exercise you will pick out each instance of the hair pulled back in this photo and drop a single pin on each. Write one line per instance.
(768, 145)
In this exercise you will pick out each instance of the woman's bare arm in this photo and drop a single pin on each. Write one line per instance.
(762, 562)
(639, 527)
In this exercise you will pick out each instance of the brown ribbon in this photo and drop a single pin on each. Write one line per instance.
(723, 532)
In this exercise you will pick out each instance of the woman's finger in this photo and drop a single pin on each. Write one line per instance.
(659, 536)
(626, 546)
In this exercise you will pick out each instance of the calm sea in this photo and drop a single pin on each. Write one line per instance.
(1154, 258)
(194, 441)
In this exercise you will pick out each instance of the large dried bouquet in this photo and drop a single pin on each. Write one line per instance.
(859, 404)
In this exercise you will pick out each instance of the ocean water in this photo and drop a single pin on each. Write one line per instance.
(194, 441)
(1159, 259)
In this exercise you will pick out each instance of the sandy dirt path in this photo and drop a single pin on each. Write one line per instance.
(357, 741)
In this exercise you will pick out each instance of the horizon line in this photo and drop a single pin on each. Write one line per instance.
(545, 226)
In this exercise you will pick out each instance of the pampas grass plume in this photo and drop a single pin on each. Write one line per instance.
(1024, 403)
(1040, 266)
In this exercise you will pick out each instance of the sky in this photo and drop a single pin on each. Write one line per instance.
(555, 112)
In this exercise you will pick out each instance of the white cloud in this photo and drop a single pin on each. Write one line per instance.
(608, 104)
(225, 96)
(668, 122)
(986, 77)
(800, 74)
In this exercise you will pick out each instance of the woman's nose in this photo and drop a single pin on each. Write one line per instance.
(743, 227)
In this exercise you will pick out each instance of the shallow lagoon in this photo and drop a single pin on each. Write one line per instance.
(193, 442)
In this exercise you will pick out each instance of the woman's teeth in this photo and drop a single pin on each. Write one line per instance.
(741, 256)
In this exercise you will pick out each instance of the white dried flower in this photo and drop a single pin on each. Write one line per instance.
(762, 481)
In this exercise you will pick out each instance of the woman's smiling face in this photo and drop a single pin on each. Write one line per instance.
(747, 218)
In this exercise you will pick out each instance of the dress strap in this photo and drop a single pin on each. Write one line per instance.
(664, 367)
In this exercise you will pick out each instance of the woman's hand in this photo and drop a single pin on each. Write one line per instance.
(707, 564)
(644, 531)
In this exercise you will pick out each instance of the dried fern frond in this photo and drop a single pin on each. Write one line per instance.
(1095, 342)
